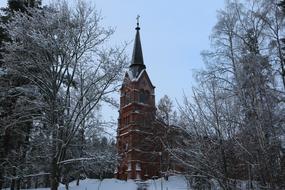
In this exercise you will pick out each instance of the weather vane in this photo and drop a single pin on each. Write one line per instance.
(138, 20)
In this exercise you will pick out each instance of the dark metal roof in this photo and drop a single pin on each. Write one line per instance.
(137, 64)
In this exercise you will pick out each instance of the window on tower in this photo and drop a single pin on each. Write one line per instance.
(129, 167)
(147, 95)
(127, 98)
(128, 120)
(142, 98)
(144, 95)
(123, 98)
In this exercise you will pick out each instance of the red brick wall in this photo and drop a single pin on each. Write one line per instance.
(137, 144)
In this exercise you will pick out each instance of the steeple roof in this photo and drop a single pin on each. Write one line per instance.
(137, 64)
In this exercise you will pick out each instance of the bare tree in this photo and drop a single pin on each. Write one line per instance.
(232, 118)
(165, 112)
(48, 47)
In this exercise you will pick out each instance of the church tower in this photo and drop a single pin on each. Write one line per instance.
(138, 148)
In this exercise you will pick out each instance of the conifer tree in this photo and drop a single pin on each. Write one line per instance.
(17, 105)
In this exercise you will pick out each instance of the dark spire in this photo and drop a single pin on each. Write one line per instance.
(137, 64)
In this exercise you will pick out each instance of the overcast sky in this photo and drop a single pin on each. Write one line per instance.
(173, 33)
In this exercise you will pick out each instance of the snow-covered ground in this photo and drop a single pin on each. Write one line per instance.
(173, 183)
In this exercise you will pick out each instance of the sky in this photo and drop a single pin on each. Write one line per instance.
(173, 34)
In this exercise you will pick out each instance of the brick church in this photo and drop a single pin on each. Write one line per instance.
(138, 142)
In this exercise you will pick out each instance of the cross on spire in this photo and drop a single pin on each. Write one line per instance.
(138, 22)
(137, 64)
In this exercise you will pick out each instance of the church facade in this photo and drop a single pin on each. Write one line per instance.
(138, 143)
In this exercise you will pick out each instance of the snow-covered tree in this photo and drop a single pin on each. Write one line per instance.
(235, 115)
(165, 112)
(47, 47)
(18, 100)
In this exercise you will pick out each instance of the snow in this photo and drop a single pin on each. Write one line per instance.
(2, 71)
(173, 183)
(282, 139)
(133, 78)
(134, 130)
(177, 182)
(106, 184)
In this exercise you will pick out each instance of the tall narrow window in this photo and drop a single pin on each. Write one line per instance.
(123, 98)
(138, 167)
(129, 167)
(147, 95)
(142, 96)
(128, 98)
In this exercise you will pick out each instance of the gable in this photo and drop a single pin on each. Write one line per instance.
(126, 78)
(144, 81)
(141, 82)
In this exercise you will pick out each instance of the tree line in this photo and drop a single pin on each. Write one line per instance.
(56, 71)
(232, 127)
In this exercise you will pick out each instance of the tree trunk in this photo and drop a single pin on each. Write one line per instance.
(36, 182)
(18, 184)
(67, 185)
(54, 178)
(12, 186)
(1, 179)
(54, 175)
(29, 183)
(225, 165)
(78, 179)
(13, 182)
(47, 181)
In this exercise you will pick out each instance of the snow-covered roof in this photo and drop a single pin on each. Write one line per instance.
(132, 77)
